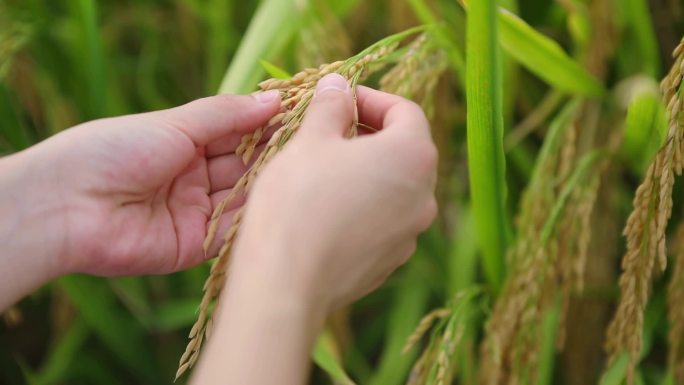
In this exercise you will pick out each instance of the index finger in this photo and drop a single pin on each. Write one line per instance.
(391, 113)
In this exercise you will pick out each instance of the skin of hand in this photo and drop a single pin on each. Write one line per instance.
(327, 221)
(122, 196)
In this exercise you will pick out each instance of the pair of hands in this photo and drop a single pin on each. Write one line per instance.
(329, 217)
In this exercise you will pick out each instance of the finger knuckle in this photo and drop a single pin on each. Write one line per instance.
(428, 214)
(422, 155)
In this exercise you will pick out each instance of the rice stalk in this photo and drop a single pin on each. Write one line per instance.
(436, 364)
(419, 371)
(296, 94)
(416, 74)
(423, 326)
(315, 44)
(13, 37)
(12, 317)
(546, 259)
(646, 227)
(675, 311)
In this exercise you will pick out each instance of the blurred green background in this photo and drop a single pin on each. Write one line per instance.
(64, 62)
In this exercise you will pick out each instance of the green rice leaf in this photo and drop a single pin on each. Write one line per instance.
(486, 162)
(325, 356)
(547, 355)
(63, 354)
(95, 302)
(544, 57)
(272, 27)
(408, 307)
(616, 373)
(645, 130)
(274, 71)
(582, 171)
(638, 19)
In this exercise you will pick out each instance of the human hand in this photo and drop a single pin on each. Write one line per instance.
(329, 218)
(134, 193)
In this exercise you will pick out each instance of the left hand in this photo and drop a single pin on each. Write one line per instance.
(134, 193)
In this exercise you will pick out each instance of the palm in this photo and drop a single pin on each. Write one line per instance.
(153, 193)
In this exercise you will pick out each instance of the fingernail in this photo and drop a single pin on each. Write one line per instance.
(266, 96)
(332, 82)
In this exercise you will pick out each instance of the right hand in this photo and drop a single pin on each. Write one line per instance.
(329, 218)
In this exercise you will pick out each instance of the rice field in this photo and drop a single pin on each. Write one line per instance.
(558, 252)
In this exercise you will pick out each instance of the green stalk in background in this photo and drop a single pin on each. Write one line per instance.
(271, 28)
(486, 163)
(91, 55)
(221, 38)
(637, 18)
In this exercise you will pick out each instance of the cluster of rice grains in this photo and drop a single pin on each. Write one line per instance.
(645, 231)
(416, 75)
(296, 94)
(548, 260)
(436, 364)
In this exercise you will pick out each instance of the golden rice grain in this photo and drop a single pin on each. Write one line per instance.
(675, 311)
(645, 229)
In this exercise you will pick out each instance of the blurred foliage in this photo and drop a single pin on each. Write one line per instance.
(66, 62)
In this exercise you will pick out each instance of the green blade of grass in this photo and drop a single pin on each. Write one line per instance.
(462, 261)
(117, 329)
(92, 55)
(63, 354)
(325, 357)
(274, 71)
(579, 175)
(638, 19)
(272, 26)
(175, 314)
(409, 305)
(645, 130)
(486, 163)
(547, 355)
(13, 131)
(544, 57)
(616, 372)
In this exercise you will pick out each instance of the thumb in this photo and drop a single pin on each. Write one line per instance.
(208, 119)
(331, 110)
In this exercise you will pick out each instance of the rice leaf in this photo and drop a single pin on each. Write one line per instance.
(616, 373)
(408, 306)
(547, 355)
(462, 261)
(638, 19)
(544, 57)
(645, 130)
(13, 131)
(91, 54)
(175, 314)
(63, 354)
(578, 176)
(486, 162)
(325, 357)
(274, 71)
(96, 303)
(271, 28)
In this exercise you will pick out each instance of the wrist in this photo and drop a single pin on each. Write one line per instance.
(258, 307)
(270, 270)
(32, 227)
